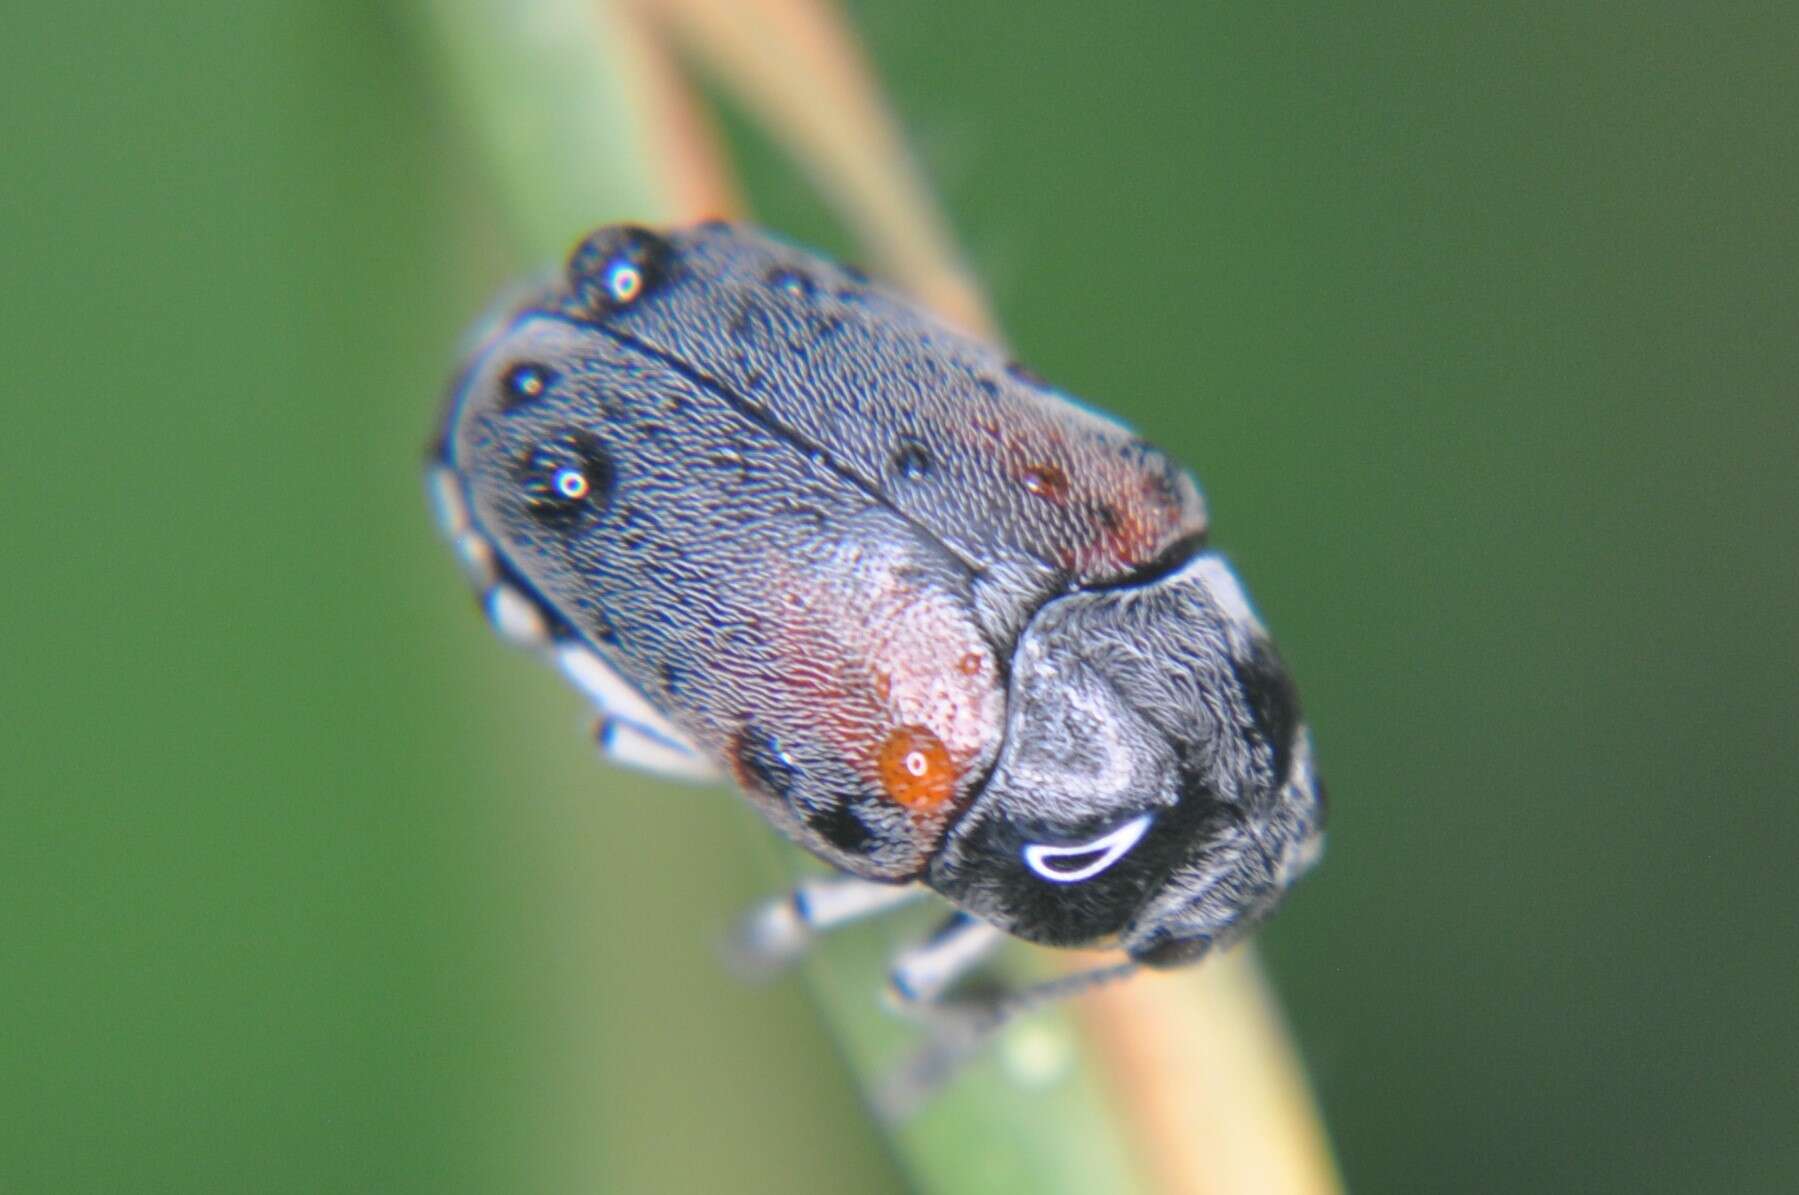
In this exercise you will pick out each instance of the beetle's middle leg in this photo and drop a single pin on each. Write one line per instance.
(781, 930)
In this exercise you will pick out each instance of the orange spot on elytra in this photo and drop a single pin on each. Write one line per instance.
(1045, 481)
(970, 664)
(916, 769)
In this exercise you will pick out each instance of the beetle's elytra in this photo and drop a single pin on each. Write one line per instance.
(942, 625)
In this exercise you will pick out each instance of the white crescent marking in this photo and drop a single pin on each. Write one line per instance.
(1111, 846)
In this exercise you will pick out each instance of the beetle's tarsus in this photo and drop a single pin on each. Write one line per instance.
(780, 931)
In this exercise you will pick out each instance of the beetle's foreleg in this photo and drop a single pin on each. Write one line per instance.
(921, 974)
(776, 933)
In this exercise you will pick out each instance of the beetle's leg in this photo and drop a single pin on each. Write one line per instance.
(675, 757)
(962, 1024)
(921, 974)
(779, 931)
(631, 731)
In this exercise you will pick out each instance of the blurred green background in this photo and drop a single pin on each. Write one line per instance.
(1478, 325)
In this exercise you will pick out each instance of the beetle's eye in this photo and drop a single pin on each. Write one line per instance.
(1083, 860)
(565, 476)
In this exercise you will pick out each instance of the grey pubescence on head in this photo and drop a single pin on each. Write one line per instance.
(1161, 703)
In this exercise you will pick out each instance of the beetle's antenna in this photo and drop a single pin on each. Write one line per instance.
(960, 1027)
(1062, 987)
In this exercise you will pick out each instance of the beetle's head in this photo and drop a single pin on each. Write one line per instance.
(1155, 781)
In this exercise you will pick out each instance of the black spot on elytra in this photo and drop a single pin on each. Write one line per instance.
(592, 269)
(911, 460)
(1161, 476)
(1106, 514)
(988, 386)
(792, 283)
(524, 382)
(839, 826)
(1273, 704)
(567, 478)
(599, 625)
(764, 764)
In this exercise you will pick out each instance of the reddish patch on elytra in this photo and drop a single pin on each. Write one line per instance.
(916, 769)
(1047, 482)
(1132, 535)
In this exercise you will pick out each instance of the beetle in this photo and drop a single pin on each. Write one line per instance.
(947, 628)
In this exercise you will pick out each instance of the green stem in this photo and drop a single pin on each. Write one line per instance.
(545, 90)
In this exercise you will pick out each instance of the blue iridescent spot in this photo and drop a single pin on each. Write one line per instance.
(525, 382)
(571, 483)
(624, 281)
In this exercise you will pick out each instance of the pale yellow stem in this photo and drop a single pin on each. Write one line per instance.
(1207, 1083)
(680, 137)
(797, 66)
